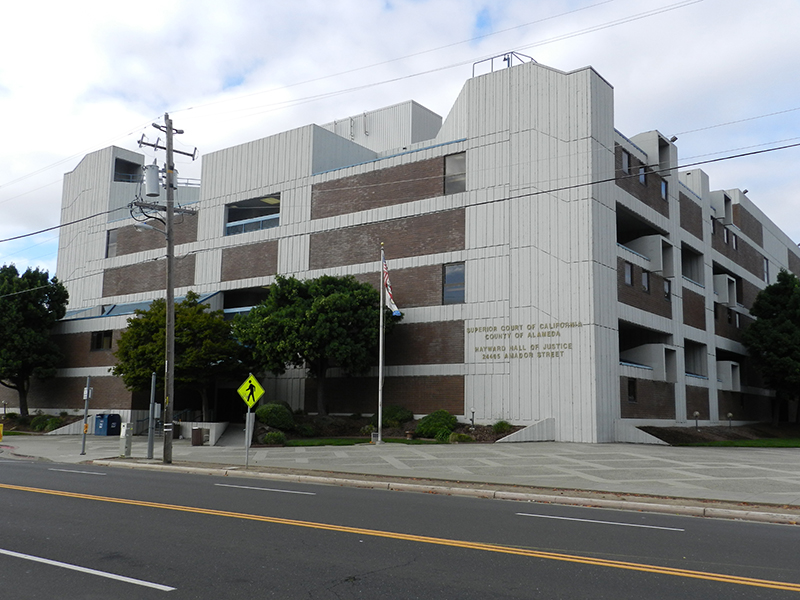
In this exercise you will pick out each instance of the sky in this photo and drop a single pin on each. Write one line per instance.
(78, 76)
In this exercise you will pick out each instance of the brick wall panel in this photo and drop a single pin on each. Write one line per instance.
(745, 255)
(130, 241)
(384, 187)
(691, 216)
(728, 330)
(438, 343)
(793, 260)
(744, 407)
(634, 295)
(748, 294)
(147, 277)
(66, 393)
(749, 225)
(697, 400)
(411, 236)
(655, 400)
(76, 350)
(418, 286)
(694, 309)
(252, 260)
(650, 193)
(421, 395)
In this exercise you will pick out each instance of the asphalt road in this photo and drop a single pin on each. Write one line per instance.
(118, 533)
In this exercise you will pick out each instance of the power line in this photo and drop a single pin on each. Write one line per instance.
(516, 197)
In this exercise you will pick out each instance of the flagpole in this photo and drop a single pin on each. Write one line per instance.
(380, 350)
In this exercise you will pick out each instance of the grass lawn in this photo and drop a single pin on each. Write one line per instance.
(351, 441)
(765, 443)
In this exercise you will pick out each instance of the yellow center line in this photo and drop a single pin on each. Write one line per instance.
(585, 560)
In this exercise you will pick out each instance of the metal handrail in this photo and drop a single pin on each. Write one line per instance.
(507, 57)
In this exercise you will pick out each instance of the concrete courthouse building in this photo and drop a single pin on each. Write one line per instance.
(552, 271)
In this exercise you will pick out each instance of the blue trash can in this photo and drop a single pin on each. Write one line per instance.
(101, 424)
(107, 425)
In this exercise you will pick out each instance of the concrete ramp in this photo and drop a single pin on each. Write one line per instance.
(540, 431)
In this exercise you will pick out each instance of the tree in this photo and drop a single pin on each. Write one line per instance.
(773, 340)
(30, 304)
(204, 348)
(318, 323)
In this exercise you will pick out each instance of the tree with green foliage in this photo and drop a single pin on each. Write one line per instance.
(317, 324)
(204, 348)
(773, 339)
(30, 304)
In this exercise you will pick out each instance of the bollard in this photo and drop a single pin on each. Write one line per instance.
(126, 440)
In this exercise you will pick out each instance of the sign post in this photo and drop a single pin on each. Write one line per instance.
(87, 394)
(250, 391)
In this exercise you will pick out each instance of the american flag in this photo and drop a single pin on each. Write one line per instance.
(389, 297)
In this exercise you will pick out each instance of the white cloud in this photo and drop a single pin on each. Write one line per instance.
(86, 74)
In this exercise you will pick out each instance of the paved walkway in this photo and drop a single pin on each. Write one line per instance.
(751, 475)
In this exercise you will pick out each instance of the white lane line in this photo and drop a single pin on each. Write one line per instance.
(55, 563)
(260, 489)
(600, 522)
(73, 471)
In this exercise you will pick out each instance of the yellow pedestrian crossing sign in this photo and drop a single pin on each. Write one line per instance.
(251, 391)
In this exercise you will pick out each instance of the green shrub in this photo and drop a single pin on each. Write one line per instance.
(283, 403)
(275, 415)
(306, 430)
(63, 414)
(53, 423)
(274, 438)
(366, 430)
(443, 435)
(393, 416)
(437, 421)
(39, 422)
(12, 416)
(501, 427)
(460, 438)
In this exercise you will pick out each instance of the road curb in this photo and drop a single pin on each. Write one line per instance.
(488, 493)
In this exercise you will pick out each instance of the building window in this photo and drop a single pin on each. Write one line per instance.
(667, 289)
(695, 359)
(631, 389)
(735, 241)
(692, 265)
(126, 171)
(111, 243)
(646, 281)
(725, 235)
(766, 270)
(628, 273)
(626, 162)
(101, 340)
(713, 226)
(730, 317)
(642, 176)
(736, 320)
(664, 189)
(455, 173)
(253, 215)
(453, 284)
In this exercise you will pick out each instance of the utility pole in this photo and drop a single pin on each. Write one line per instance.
(169, 382)
(169, 365)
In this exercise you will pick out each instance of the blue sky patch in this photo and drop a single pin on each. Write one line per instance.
(483, 23)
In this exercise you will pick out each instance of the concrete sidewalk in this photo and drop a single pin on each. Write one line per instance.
(738, 475)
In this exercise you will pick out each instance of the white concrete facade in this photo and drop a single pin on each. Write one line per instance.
(551, 333)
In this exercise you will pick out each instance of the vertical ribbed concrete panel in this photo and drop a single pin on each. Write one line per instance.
(88, 190)
(541, 136)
